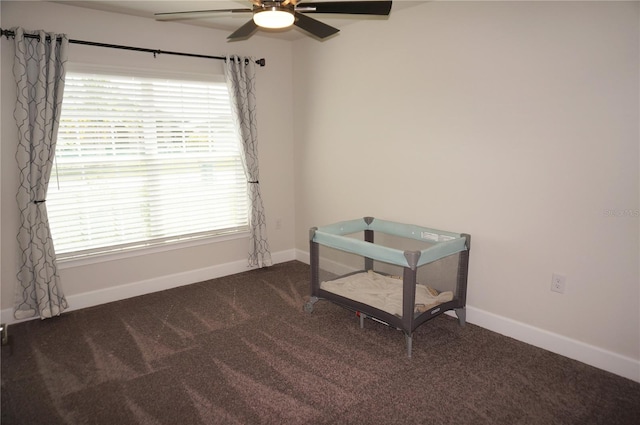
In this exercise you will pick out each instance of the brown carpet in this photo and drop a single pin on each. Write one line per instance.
(240, 350)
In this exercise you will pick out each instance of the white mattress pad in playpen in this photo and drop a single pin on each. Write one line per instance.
(383, 292)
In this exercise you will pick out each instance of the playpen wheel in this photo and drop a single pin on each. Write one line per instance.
(308, 307)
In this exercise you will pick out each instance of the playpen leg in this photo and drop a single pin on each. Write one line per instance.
(409, 340)
(308, 306)
(462, 315)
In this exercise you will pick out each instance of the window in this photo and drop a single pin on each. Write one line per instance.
(143, 161)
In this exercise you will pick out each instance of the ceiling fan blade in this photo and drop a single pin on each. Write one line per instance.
(244, 31)
(348, 7)
(313, 26)
(195, 14)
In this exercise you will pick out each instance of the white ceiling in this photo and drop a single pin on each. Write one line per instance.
(223, 21)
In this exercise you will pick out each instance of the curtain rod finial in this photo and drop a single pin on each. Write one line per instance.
(261, 62)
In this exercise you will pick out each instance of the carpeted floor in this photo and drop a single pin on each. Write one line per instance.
(240, 350)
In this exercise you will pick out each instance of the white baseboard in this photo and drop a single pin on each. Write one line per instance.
(559, 344)
(303, 256)
(129, 290)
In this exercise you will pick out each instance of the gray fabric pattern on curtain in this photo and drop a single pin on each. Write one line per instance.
(39, 70)
(240, 74)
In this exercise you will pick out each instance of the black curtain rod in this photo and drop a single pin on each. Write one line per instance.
(9, 33)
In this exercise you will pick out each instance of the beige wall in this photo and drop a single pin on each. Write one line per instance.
(516, 122)
(276, 149)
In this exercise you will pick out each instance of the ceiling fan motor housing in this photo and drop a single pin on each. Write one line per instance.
(284, 6)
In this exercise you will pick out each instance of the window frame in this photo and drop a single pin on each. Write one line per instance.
(98, 255)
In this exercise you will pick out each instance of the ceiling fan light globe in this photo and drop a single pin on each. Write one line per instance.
(273, 19)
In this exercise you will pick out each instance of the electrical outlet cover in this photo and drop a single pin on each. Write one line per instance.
(558, 283)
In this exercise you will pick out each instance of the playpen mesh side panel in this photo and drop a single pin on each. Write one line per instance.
(334, 263)
(384, 292)
(440, 275)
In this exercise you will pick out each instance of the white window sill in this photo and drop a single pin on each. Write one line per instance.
(103, 257)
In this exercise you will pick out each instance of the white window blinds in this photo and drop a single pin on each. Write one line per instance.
(143, 161)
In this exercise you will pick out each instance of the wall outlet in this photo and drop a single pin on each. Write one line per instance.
(278, 223)
(558, 283)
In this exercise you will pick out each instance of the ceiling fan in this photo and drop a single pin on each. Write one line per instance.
(285, 13)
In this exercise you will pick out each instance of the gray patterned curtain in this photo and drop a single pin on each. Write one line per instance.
(240, 74)
(39, 70)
